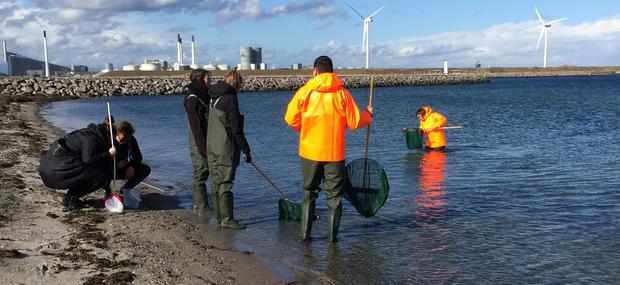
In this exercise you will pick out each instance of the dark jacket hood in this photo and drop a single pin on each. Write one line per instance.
(220, 88)
(100, 130)
(197, 89)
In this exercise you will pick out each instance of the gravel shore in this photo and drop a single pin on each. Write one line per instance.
(158, 243)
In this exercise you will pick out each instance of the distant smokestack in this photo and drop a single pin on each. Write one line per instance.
(47, 67)
(6, 60)
(179, 50)
(193, 51)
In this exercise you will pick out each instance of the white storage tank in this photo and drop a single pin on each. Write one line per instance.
(130, 67)
(209, 67)
(150, 67)
(246, 58)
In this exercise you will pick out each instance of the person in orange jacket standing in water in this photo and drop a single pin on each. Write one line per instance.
(431, 125)
(321, 111)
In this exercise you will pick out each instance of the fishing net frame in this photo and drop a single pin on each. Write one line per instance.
(367, 184)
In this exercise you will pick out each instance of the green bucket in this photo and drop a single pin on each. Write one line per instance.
(414, 138)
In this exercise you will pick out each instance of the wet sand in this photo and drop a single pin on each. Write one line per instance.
(158, 243)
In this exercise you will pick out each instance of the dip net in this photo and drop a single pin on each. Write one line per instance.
(368, 186)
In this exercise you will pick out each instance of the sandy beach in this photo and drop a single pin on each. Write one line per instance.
(158, 243)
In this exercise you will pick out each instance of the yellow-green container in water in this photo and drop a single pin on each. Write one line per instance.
(414, 138)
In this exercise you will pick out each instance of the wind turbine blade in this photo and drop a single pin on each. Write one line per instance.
(356, 12)
(539, 17)
(375, 13)
(555, 21)
(540, 37)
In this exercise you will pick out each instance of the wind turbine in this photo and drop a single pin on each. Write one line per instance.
(545, 31)
(366, 38)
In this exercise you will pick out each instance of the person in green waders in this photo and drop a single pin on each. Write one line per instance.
(196, 106)
(225, 142)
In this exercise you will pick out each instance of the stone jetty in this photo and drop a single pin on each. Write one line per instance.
(87, 86)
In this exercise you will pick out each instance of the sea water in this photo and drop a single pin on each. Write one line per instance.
(528, 191)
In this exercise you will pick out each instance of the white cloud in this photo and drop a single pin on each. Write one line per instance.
(95, 32)
(507, 44)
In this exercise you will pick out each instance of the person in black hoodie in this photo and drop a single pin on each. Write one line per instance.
(81, 162)
(129, 158)
(196, 106)
(225, 142)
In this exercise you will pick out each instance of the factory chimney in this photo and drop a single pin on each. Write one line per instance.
(179, 50)
(47, 67)
(193, 52)
(6, 60)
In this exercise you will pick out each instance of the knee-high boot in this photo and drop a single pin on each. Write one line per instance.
(216, 207)
(201, 201)
(226, 212)
(333, 222)
(307, 214)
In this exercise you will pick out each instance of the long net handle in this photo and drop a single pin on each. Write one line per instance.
(368, 128)
(366, 177)
(111, 140)
(269, 180)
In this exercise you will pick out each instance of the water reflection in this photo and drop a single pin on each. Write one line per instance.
(432, 242)
(430, 199)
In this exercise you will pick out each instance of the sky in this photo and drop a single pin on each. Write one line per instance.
(405, 34)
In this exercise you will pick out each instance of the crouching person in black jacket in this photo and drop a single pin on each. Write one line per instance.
(129, 158)
(81, 162)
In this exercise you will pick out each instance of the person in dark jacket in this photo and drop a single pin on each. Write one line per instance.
(129, 158)
(224, 143)
(81, 162)
(197, 109)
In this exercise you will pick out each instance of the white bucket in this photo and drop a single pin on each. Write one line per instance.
(114, 203)
(131, 198)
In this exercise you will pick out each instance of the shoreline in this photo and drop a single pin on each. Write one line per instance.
(158, 243)
(153, 83)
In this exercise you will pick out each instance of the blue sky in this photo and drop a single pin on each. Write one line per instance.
(405, 34)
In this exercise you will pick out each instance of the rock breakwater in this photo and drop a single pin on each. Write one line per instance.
(83, 87)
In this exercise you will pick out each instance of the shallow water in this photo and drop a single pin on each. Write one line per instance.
(527, 192)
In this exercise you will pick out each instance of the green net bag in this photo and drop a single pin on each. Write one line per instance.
(367, 188)
(288, 210)
(414, 138)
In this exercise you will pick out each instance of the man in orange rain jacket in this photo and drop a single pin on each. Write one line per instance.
(431, 124)
(321, 111)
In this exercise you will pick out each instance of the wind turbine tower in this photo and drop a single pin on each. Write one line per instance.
(545, 31)
(366, 37)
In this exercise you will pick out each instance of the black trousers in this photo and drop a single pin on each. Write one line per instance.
(332, 174)
(141, 171)
(89, 181)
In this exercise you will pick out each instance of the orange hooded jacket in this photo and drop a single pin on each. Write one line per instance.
(433, 120)
(321, 111)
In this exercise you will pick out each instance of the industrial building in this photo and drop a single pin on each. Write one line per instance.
(162, 63)
(19, 65)
(108, 67)
(251, 58)
(79, 68)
